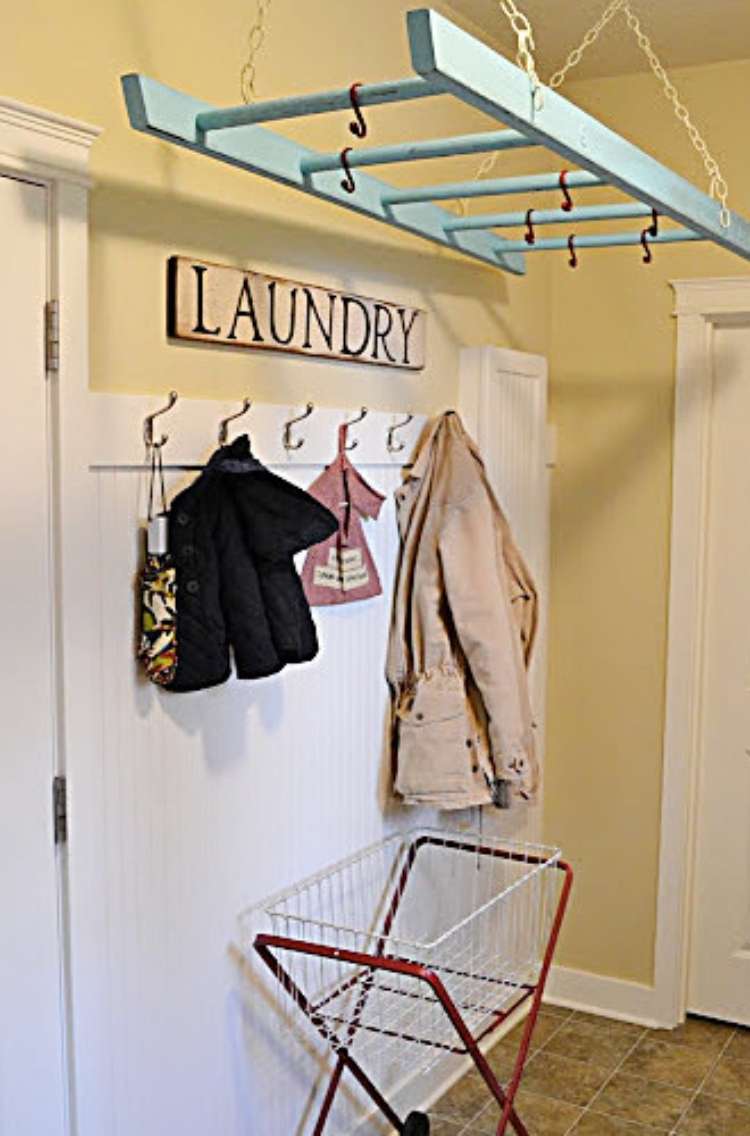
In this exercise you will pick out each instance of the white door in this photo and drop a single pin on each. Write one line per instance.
(719, 972)
(31, 1036)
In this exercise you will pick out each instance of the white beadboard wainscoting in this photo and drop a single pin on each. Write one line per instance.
(188, 808)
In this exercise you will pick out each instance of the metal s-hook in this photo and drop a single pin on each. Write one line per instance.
(530, 235)
(148, 424)
(348, 183)
(651, 230)
(287, 436)
(359, 126)
(224, 424)
(397, 447)
(362, 414)
(573, 259)
(567, 201)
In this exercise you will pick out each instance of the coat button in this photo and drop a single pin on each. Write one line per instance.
(192, 586)
(419, 717)
(475, 768)
(183, 518)
(469, 743)
(187, 552)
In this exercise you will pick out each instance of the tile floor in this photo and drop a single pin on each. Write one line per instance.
(591, 1076)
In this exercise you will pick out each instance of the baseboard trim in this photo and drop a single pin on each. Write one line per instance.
(600, 994)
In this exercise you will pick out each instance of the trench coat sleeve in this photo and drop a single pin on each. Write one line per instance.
(479, 596)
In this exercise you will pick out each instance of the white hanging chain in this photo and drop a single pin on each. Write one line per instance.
(526, 46)
(255, 40)
(718, 187)
(590, 38)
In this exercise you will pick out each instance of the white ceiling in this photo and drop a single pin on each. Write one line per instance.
(683, 32)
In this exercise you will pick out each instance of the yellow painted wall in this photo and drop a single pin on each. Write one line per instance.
(611, 345)
(152, 200)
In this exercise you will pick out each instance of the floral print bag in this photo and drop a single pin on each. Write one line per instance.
(157, 648)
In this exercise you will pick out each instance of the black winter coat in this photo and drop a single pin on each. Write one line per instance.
(232, 536)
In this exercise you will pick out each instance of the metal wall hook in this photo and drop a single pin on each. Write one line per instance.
(148, 423)
(224, 424)
(287, 437)
(397, 447)
(362, 414)
(573, 258)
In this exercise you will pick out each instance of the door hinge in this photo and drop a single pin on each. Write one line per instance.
(60, 809)
(52, 335)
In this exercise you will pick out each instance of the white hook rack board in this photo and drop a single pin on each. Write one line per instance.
(191, 426)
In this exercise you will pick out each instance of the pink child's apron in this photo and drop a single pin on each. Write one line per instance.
(341, 569)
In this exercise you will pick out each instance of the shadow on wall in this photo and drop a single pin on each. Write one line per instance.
(237, 235)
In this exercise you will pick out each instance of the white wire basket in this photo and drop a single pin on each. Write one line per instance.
(474, 911)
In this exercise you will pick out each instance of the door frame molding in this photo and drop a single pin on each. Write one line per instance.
(53, 150)
(701, 306)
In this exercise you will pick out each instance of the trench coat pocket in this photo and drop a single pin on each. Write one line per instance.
(436, 740)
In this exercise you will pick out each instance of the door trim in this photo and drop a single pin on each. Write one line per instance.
(53, 150)
(701, 305)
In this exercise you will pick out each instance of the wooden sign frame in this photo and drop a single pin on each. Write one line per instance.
(228, 306)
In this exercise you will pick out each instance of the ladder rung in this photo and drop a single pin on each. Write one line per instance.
(602, 240)
(549, 216)
(369, 94)
(416, 151)
(531, 183)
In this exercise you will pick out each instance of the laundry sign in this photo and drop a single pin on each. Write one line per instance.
(216, 303)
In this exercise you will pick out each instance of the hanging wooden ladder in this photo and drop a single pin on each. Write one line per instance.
(447, 60)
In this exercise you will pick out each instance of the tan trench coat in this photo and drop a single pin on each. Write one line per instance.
(463, 626)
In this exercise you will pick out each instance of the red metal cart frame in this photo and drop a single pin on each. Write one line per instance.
(375, 965)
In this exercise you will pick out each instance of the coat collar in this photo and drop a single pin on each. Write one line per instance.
(449, 422)
(237, 457)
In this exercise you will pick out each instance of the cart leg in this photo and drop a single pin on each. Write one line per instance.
(344, 1061)
(329, 1097)
(359, 1075)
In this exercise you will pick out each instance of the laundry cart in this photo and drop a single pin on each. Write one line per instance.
(429, 939)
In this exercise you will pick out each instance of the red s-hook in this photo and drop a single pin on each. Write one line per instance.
(651, 230)
(348, 183)
(359, 126)
(530, 236)
(567, 202)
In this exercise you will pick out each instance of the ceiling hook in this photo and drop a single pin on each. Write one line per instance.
(392, 446)
(348, 183)
(530, 236)
(359, 126)
(567, 202)
(362, 414)
(573, 260)
(224, 424)
(287, 436)
(148, 423)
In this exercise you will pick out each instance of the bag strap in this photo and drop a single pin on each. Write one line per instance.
(156, 472)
